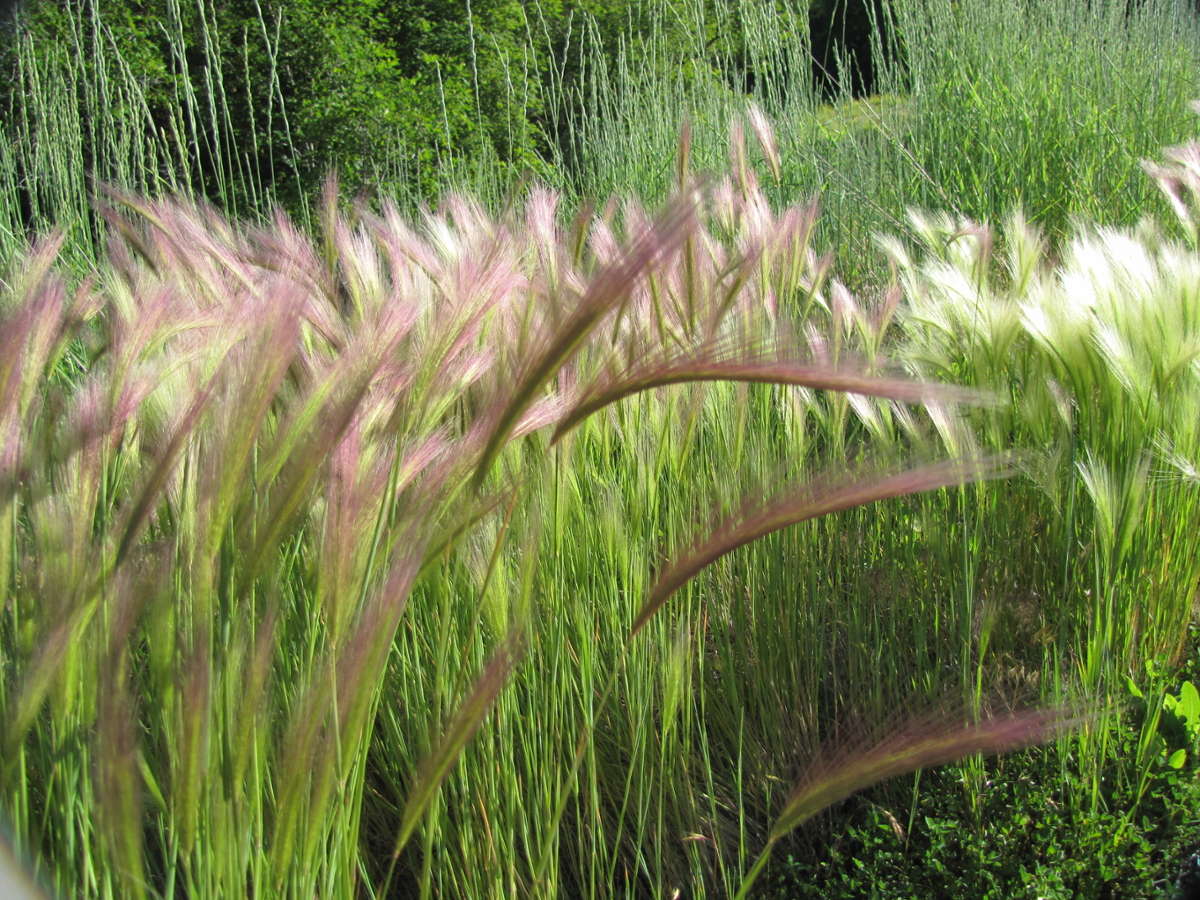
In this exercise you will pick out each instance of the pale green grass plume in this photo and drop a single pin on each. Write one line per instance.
(1100, 353)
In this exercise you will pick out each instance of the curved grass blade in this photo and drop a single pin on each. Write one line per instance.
(917, 744)
(605, 294)
(761, 371)
(158, 478)
(470, 716)
(305, 443)
(809, 501)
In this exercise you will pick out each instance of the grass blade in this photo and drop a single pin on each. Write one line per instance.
(470, 716)
(917, 744)
(604, 295)
(760, 518)
(724, 367)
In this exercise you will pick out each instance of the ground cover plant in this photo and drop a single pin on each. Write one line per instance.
(207, 569)
(1019, 835)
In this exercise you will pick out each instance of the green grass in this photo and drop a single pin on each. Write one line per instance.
(305, 591)
(283, 523)
(1047, 106)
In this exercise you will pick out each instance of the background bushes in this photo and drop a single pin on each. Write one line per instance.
(248, 99)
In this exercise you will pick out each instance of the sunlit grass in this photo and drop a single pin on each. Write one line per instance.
(280, 544)
(416, 554)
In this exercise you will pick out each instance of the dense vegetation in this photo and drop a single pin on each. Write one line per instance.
(456, 530)
(248, 98)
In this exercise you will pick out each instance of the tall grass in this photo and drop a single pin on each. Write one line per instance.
(86, 110)
(1098, 353)
(1073, 576)
(314, 544)
(280, 526)
(985, 106)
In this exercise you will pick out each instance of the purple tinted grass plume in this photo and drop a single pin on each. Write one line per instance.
(605, 293)
(288, 431)
(903, 746)
(1179, 180)
(763, 516)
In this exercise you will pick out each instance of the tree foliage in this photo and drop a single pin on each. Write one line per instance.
(386, 92)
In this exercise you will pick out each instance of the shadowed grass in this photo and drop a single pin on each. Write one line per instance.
(799, 504)
(902, 748)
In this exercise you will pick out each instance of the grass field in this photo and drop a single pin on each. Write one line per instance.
(539, 545)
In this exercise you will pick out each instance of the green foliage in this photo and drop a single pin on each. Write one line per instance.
(1018, 834)
(1025, 844)
(383, 92)
(1046, 105)
(278, 454)
(226, 661)
(250, 104)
